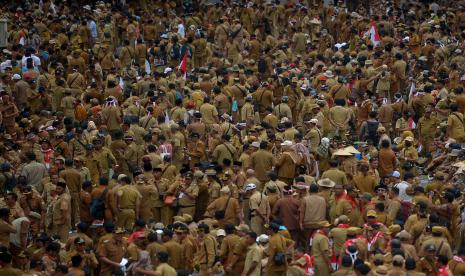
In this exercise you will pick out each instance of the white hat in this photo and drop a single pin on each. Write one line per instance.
(328, 74)
(220, 233)
(16, 77)
(314, 121)
(250, 186)
(395, 174)
(167, 70)
(262, 238)
(255, 144)
(284, 120)
(121, 176)
(287, 143)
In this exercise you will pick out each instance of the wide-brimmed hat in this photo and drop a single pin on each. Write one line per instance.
(342, 152)
(352, 150)
(326, 182)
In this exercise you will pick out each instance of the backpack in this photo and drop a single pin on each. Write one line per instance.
(175, 52)
(97, 206)
(404, 212)
(262, 67)
(372, 129)
(10, 182)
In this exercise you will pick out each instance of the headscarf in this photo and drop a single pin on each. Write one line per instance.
(323, 148)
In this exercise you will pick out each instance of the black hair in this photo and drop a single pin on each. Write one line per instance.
(76, 260)
(253, 235)
(313, 188)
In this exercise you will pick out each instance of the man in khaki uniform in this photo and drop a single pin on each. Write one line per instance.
(442, 245)
(76, 82)
(205, 257)
(312, 213)
(428, 263)
(174, 249)
(222, 34)
(455, 124)
(73, 181)
(339, 91)
(161, 185)
(339, 117)
(227, 205)
(277, 244)
(103, 156)
(200, 46)
(427, 130)
(394, 206)
(225, 150)
(259, 208)
(247, 112)
(148, 193)
(111, 251)
(133, 153)
(61, 209)
(335, 174)
(209, 112)
(299, 42)
(263, 97)
(196, 150)
(188, 193)
(283, 110)
(321, 250)
(67, 104)
(127, 203)
(127, 54)
(262, 161)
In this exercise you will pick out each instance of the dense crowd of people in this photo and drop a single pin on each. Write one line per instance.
(232, 138)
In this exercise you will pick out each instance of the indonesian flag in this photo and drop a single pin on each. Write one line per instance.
(374, 36)
(411, 123)
(183, 66)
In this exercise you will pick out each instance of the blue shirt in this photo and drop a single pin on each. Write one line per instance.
(93, 28)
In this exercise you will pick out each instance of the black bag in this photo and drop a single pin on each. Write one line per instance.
(372, 129)
(407, 166)
(97, 206)
(220, 214)
(117, 271)
(279, 258)
(262, 66)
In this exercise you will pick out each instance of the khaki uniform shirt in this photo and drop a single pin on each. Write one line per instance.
(62, 210)
(185, 201)
(128, 197)
(115, 251)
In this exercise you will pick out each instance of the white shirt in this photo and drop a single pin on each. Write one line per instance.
(35, 61)
(181, 30)
(15, 238)
(402, 186)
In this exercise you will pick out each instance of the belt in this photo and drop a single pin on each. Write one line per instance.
(132, 209)
(187, 206)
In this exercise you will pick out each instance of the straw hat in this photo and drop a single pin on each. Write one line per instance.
(326, 182)
(342, 152)
(352, 150)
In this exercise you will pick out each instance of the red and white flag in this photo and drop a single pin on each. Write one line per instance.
(374, 36)
(183, 66)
